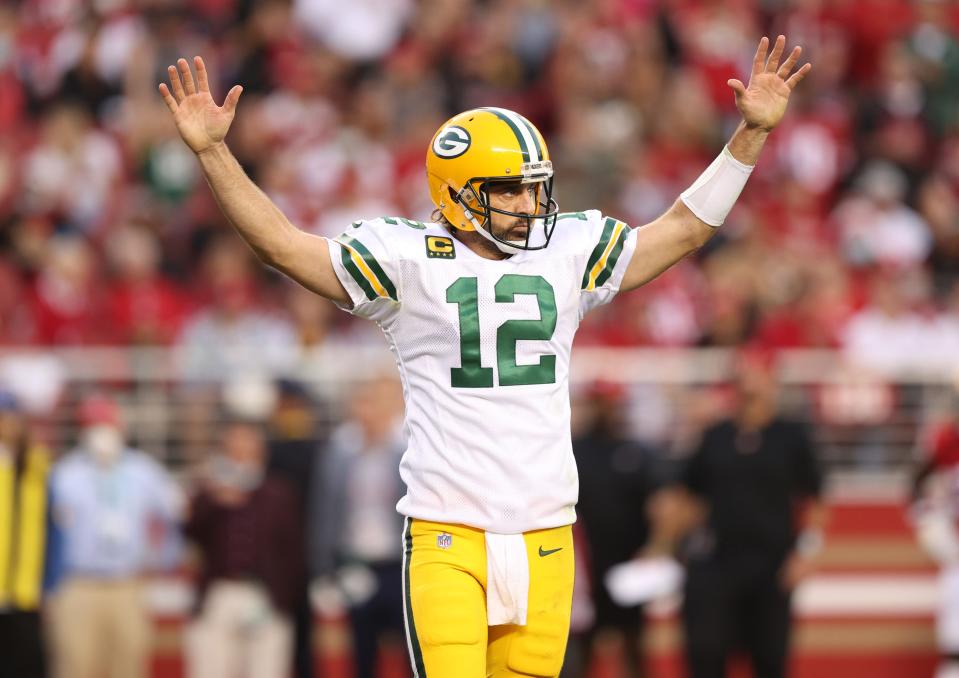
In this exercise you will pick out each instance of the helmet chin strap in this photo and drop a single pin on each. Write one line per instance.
(503, 247)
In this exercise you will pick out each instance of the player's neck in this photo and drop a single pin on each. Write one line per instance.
(756, 414)
(478, 244)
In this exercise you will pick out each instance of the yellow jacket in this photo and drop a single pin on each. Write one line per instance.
(24, 526)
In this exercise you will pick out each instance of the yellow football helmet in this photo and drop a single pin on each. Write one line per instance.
(485, 145)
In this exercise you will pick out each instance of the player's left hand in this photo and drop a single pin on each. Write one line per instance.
(796, 568)
(763, 102)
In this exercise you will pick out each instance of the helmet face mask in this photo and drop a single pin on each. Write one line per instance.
(475, 199)
(472, 153)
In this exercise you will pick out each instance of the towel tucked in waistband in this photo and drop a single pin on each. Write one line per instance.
(507, 579)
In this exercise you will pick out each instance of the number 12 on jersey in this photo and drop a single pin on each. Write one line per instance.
(471, 373)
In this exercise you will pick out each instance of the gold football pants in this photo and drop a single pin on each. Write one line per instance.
(444, 589)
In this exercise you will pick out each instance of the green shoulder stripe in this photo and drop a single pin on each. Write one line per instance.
(354, 271)
(613, 258)
(599, 249)
(374, 266)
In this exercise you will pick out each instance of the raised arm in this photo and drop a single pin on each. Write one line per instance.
(694, 217)
(203, 125)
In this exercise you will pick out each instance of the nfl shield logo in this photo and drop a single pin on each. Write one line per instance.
(444, 541)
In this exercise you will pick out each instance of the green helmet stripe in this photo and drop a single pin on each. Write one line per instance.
(513, 126)
(532, 133)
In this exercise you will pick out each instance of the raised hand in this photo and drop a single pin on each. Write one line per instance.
(200, 122)
(763, 102)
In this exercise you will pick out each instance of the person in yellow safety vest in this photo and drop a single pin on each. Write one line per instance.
(29, 544)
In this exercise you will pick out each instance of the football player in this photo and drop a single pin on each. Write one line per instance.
(480, 307)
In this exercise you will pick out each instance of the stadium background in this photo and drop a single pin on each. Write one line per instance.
(118, 272)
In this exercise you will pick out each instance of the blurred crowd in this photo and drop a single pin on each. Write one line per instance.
(848, 236)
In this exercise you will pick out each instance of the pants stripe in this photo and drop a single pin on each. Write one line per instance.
(412, 642)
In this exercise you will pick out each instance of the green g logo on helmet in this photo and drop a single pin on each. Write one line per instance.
(452, 142)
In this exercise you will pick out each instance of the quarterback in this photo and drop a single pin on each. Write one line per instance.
(480, 307)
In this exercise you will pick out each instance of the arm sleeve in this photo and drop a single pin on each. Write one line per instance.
(367, 263)
(693, 474)
(292, 536)
(324, 516)
(200, 518)
(53, 563)
(166, 497)
(608, 248)
(168, 506)
(808, 476)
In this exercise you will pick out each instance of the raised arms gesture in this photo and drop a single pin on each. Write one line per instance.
(200, 122)
(278, 243)
(763, 102)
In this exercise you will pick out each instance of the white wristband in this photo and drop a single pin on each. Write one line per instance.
(714, 193)
(810, 542)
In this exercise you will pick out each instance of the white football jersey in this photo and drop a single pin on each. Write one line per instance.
(483, 349)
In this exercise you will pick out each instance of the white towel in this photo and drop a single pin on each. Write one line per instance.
(507, 579)
(643, 580)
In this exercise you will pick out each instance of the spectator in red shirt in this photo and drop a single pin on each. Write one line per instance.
(67, 299)
(145, 307)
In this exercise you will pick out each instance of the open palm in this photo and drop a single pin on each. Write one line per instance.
(200, 122)
(763, 102)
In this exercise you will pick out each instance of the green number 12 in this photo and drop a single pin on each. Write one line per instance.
(471, 373)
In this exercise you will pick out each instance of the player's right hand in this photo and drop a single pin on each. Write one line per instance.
(200, 122)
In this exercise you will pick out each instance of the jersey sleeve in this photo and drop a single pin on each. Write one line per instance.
(367, 262)
(694, 475)
(608, 248)
(806, 473)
